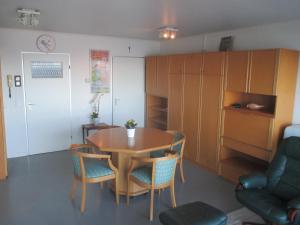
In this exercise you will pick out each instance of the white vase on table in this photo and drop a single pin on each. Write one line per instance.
(131, 132)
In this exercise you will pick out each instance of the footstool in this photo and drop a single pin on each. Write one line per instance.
(195, 213)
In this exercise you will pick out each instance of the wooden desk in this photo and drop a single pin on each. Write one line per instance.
(115, 140)
(87, 127)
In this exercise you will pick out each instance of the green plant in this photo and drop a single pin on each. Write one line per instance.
(94, 115)
(131, 124)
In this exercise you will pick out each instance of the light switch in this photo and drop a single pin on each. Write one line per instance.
(18, 81)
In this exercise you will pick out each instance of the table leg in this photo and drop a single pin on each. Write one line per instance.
(83, 142)
(122, 162)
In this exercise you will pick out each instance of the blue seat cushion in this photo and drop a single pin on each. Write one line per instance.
(143, 174)
(93, 168)
(262, 202)
(195, 213)
(158, 153)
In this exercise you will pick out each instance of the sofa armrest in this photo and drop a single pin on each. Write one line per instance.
(294, 203)
(293, 209)
(256, 180)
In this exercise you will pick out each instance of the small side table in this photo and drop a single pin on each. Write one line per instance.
(87, 127)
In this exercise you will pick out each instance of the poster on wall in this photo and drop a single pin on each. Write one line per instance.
(100, 71)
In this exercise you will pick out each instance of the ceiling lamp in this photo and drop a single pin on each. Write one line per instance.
(28, 17)
(167, 32)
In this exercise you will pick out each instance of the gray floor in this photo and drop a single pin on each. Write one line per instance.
(36, 193)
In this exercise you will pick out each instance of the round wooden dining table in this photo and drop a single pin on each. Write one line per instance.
(115, 140)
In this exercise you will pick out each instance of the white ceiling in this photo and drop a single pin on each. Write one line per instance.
(141, 18)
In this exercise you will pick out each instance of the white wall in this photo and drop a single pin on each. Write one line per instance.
(279, 35)
(13, 42)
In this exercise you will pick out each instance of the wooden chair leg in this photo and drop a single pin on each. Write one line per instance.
(151, 204)
(73, 188)
(83, 198)
(159, 190)
(128, 185)
(172, 192)
(117, 189)
(181, 171)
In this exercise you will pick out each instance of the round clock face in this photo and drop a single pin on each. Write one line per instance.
(45, 43)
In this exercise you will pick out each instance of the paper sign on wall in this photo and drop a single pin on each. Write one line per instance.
(100, 71)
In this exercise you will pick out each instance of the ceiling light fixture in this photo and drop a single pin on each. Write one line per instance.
(167, 32)
(28, 17)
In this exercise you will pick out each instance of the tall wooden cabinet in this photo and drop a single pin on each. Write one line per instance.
(201, 88)
(250, 137)
(3, 161)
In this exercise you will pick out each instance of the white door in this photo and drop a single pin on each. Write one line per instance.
(128, 90)
(47, 99)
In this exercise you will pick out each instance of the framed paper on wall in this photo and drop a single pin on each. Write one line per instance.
(100, 71)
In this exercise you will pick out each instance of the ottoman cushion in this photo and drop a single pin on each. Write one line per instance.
(195, 213)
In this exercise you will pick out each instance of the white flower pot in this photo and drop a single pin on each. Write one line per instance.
(130, 132)
(131, 141)
(96, 121)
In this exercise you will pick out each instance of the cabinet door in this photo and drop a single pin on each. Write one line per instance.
(191, 114)
(176, 64)
(193, 64)
(210, 121)
(151, 74)
(263, 66)
(213, 63)
(237, 71)
(175, 102)
(162, 65)
(247, 128)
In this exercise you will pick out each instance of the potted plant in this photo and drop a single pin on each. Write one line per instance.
(130, 126)
(96, 105)
(95, 117)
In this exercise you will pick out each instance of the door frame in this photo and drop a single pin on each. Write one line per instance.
(112, 85)
(24, 92)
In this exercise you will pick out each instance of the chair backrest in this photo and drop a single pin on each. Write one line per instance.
(178, 142)
(284, 171)
(78, 152)
(163, 170)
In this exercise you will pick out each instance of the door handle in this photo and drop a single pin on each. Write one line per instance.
(30, 104)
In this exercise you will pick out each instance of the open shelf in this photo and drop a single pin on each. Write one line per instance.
(159, 108)
(159, 121)
(157, 112)
(233, 168)
(242, 98)
(256, 112)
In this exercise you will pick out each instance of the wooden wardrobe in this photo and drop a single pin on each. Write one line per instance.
(194, 93)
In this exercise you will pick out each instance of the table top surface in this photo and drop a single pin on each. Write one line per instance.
(145, 140)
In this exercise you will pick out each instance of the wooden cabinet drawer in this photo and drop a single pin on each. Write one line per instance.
(248, 128)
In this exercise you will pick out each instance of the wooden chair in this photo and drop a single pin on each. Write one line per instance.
(90, 168)
(178, 146)
(158, 173)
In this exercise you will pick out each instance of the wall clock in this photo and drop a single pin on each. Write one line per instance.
(45, 43)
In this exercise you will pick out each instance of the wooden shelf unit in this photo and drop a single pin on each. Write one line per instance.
(193, 93)
(264, 77)
(157, 112)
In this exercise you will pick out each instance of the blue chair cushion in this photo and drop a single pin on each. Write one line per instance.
(93, 168)
(143, 174)
(158, 154)
(195, 213)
